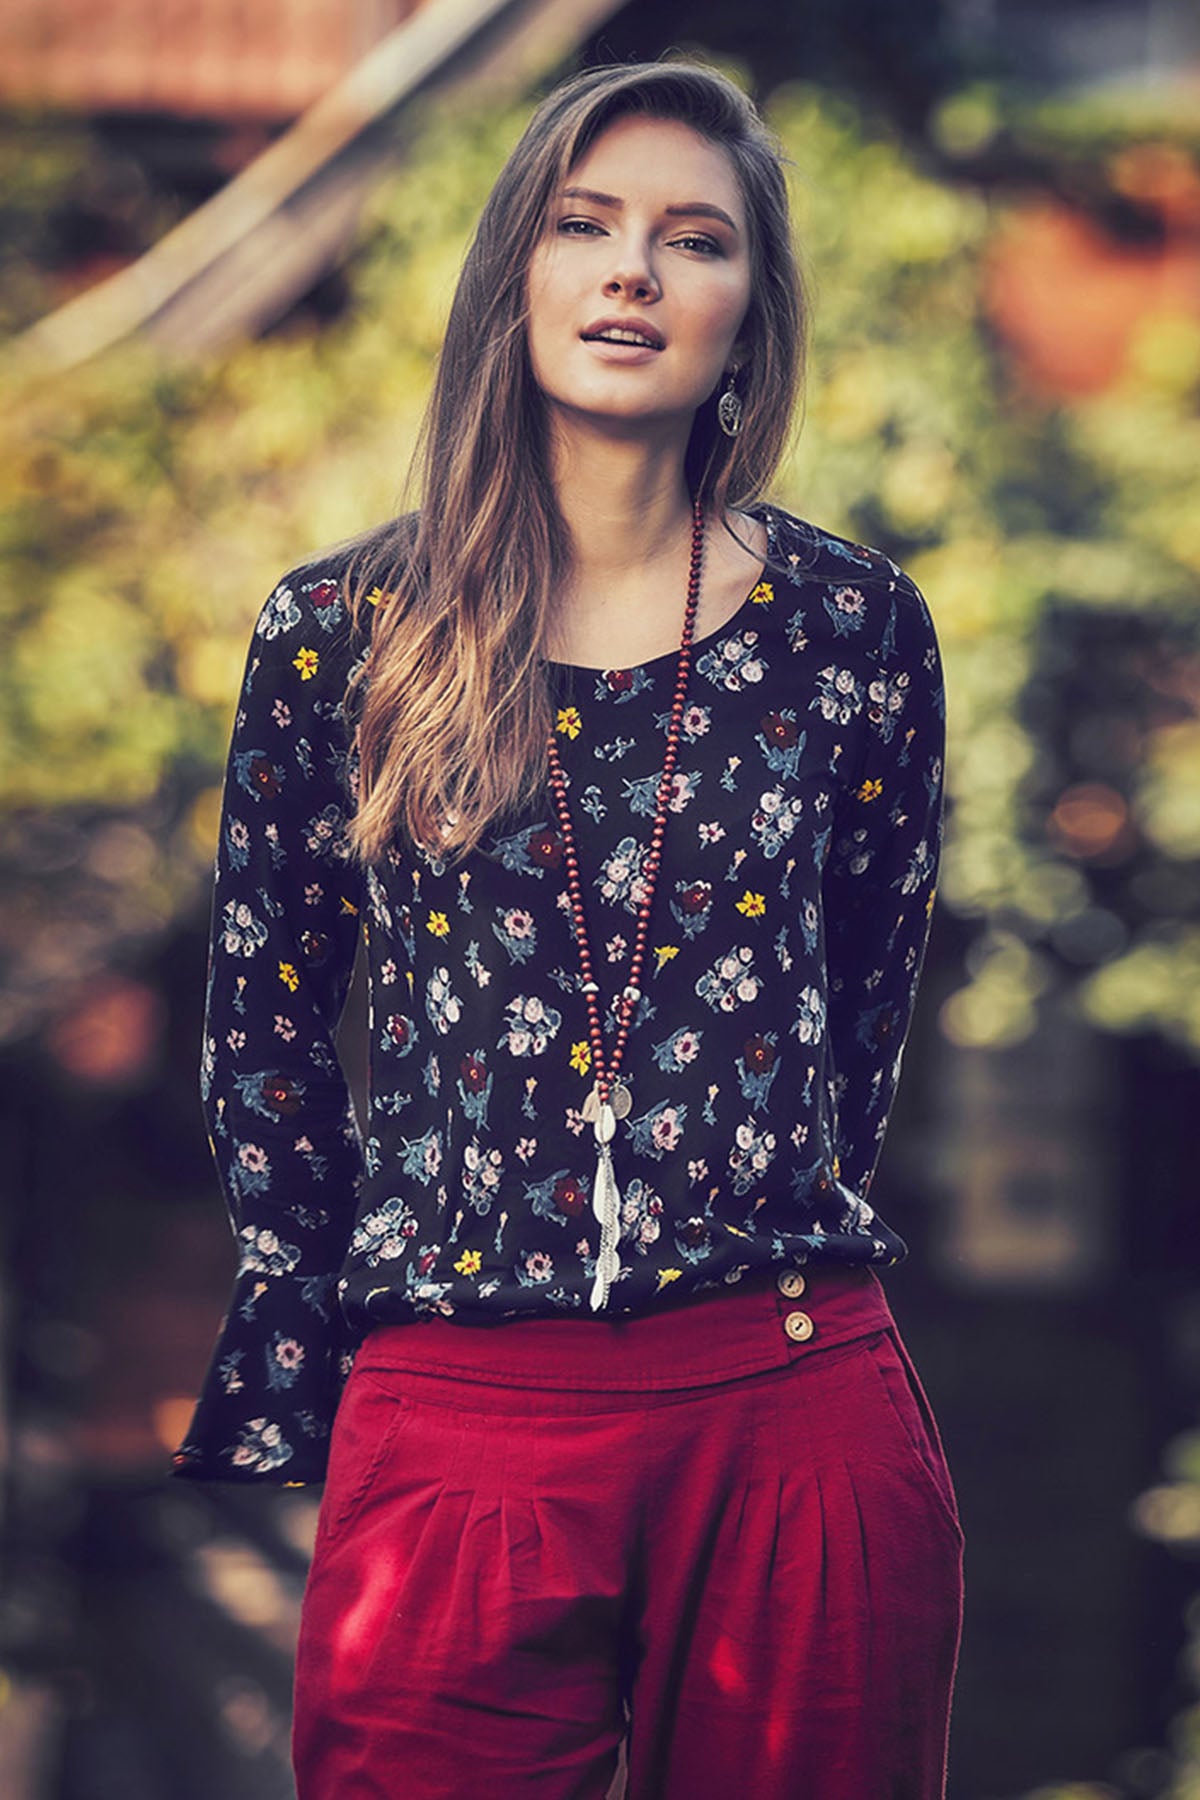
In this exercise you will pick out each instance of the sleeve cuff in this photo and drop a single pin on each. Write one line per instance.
(273, 1384)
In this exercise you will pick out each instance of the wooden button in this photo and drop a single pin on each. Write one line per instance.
(791, 1284)
(799, 1327)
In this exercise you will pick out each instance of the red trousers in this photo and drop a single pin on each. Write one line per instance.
(721, 1539)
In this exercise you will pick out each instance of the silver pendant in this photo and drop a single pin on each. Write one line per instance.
(606, 1205)
(619, 1099)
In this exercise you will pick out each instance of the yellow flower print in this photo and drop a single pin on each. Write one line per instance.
(375, 596)
(581, 1057)
(666, 1276)
(306, 661)
(439, 924)
(348, 907)
(870, 790)
(665, 953)
(763, 594)
(289, 977)
(469, 1263)
(752, 906)
(569, 722)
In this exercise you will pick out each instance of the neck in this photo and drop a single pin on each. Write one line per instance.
(625, 504)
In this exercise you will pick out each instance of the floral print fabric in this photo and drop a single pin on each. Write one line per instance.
(786, 945)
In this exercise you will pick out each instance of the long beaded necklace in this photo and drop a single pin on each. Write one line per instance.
(610, 1100)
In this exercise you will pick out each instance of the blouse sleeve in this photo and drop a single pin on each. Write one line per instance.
(285, 920)
(880, 881)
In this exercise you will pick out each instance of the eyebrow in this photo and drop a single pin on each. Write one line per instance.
(693, 209)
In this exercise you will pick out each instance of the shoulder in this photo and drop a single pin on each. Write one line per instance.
(865, 592)
(330, 600)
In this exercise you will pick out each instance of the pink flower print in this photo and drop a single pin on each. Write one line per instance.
(388, 972)
(284, 1028)
(314, 893)
(526, 1148)
(518, 923)
(539, 1266)
(616, 948)
(711, 834)
(666, 1131)
(288, 1353)
(697, 1169)
(696, 720)
(236, 1040)
(686, 1047)
(575, 1121)
(281, 712)
(252, 1157)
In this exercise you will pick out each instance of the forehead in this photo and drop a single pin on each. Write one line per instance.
(660, 160)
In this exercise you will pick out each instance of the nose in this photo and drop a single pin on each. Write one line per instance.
(633, 278)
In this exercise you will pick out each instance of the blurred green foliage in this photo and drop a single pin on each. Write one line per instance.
(153, 504)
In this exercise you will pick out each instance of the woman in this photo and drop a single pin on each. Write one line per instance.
(633, 783)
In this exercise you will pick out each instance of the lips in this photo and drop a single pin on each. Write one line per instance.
(624, 331)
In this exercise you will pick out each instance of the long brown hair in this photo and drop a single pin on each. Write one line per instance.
(456, 709)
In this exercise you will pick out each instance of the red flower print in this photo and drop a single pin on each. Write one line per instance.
(694, 1233)
(280, 1094)
(778, 730)
(324, 593)
(570, 1196)
(265, 776)
(474, 1074)
(545, 849)
(399, 1029)
(697, 898)
(315, 946)
(618, 681)
(758, 1055)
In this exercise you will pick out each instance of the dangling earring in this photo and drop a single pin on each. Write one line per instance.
(729, 408)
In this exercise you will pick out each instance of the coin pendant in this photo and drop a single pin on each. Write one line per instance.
(621, 1100)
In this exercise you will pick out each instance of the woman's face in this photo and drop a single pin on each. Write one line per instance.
(640, 284)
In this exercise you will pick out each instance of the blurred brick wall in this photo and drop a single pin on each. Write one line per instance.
(213, 59)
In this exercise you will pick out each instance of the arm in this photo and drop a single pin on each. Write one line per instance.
(880, 880)
(285, 920)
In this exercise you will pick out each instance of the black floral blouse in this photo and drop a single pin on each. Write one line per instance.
(786, 943)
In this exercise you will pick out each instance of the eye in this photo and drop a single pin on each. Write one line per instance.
(579, 227)
(700, 242)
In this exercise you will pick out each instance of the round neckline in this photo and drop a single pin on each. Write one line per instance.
(758, 510)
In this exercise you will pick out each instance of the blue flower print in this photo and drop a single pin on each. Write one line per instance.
(775, 819)
(643, 795)
(809, 1023)
(237, 843)
(399, 1034)
(532, 1026)
(422, 1156)
(641, 1216)
(385, 1234)
(261, 1253)
(780, 742)
(691, 906)
(260, 1447)
(482, 1171)
(285, 1359)
(735, 663)
(658, 1131)
(325, 599)
(243, 934)
(441, 1002)
(731, 982)
(280, 614)
(839, 695)
(257, 775)
(678, 1051)
(621, 877)
(847, 610)
(620, 685)
(534, 1268)
(752, 1155)
(475, 1083)
(757, 1067)
(324, 835)
(516, 930)
(886, 697)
